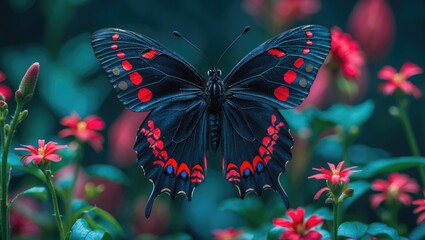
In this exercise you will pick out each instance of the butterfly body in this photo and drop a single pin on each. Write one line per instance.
(238, 114)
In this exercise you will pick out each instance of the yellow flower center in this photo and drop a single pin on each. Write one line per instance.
(41, 151)
(398, 78)
(300, 229)
(81, 126)
(335, 172)
(393, 190)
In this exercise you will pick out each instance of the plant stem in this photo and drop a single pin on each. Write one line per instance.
(335, 226)
(49, 181)
(6, 141)
(409, 132)
(70, 197)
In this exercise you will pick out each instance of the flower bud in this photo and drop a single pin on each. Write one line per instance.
(329, 200)
(28, 83)
(2, 97)
(346, 194)
(23, 115)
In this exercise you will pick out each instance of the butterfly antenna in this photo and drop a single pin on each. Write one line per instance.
(245, 30)
(178, 34)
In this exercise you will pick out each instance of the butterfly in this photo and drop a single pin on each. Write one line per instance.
(190, 115)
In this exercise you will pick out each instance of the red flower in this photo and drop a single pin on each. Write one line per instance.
(84, 130)
(420, 208)
(4, 89)
(372, 24)
(399, 79)
(346, 54)
(334, 176)
(397, 187)
(297, 228)
(44, 151)
(21, 223)
(227, 234)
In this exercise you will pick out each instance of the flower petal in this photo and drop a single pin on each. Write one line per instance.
(320, 192)
(405, 199)
(312, 235)
(313, 221)
(53, 157)
(421, 218)
(71, 121)
(281, 222)
(387, 73)
(296, 215)
(290, 235)
(94, 122)
(380, 185)
(376, 199)
(410, 69)
(387, 88)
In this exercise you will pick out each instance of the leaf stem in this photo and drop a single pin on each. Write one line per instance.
(51, 187)
(335, 225)
(6, 139)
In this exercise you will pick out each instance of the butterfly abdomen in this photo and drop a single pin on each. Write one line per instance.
(214, 125)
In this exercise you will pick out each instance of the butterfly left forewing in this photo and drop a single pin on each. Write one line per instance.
(280, 72)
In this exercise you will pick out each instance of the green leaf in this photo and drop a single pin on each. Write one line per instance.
(388, 165)
(352, 229)
(37, 192)
(359, 187)
(107, 172)
(418, 232)
(106, 220)
(325, 213)
(82, 231)
(275, 233)
(348, 116)
(380, 228)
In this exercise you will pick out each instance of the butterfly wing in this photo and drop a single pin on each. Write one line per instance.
(171, 143)
(281, 71)
(144, 73)
(276, 75)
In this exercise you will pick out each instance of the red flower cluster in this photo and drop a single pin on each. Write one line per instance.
(334, 175)
(84, 130)
(346, 54)
(298, 228)
(43, 152)
(398, 80)
(397, 187)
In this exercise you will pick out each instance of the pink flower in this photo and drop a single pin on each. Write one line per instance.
(297, 228)
(346, 54)
(120, 144)
(420, 208)
(4, 89)
(45, 152)
(227, 234)
(398, 80)
(334, 175)
(372, 24)
(397, 187)
(84, 130)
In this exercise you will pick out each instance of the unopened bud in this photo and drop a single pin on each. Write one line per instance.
(6, 129)
(28, 83)
(329, 200)
(23, 115)
(394, 111)
(2, 97)
(346, 194)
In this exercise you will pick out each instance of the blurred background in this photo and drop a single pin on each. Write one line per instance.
(57, 34)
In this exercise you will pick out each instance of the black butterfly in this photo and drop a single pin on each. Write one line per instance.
(189, 114)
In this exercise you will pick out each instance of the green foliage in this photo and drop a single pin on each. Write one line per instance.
(82, 230)
(107, 172)
(358, 230)
(388, 165)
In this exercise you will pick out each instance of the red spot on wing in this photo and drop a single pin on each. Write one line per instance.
(276, 52)
(309, 34)
(257, 159)
(136, 78)
(281, 93)
(114, 46)
(115, 36)
(290, 75)
(231, 166)
(150, 54)
(306, 50)
(183, 167)
(126, 65)
(246, 165)
(274, 118)
(266, 141)
(159, 162)
(233, 176)
(173, 163)
(144, 95)
(262, 150)
(198, 168)
(299, 62)
(309, 43)
(121, 55)
(197, 174)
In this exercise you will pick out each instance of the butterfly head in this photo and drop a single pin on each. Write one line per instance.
(214, 73)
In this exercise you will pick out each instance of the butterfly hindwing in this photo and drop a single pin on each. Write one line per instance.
(255, 162)
(144, 73)
(281, 71)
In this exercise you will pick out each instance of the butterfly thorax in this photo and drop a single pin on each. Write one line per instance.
(215, 98)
